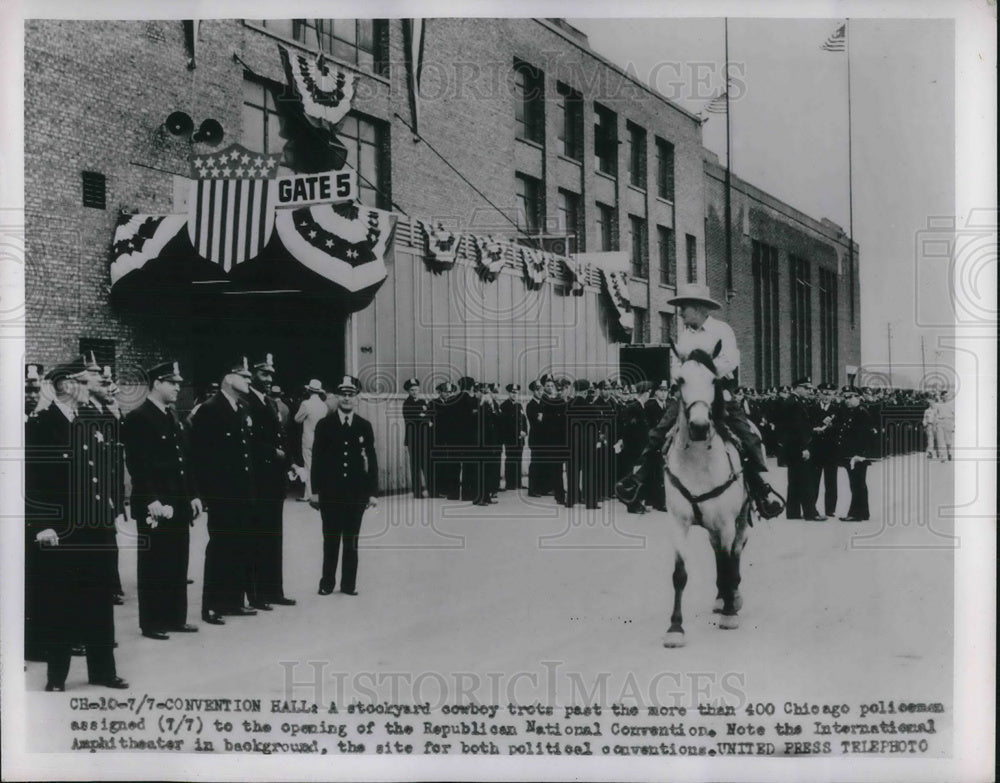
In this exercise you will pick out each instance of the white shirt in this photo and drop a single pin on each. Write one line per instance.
(705, 338)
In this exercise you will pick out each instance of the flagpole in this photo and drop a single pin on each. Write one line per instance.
(729, 206)
(850, 172)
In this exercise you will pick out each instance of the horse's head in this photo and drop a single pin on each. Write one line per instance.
(696, 381)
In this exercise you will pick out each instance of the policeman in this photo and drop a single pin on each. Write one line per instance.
(632, 433)
(467, 438)
(533, 417)
(823, 413)
(606, 408)
(856, 447)
(702, 331)
(270, 465)
(796, 438)
(555, 440)
(583, 422)
(164, 503)
(224, 470)
(444, 467)
(68, 518)
(32, 388)
(655, 409)
(492, 441)
(418, 422)
(513, 431)
(345, 484)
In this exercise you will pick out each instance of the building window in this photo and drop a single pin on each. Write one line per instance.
(664, 169)
(103, 350)
(668, 328)
(767, 357)
(260, 119)
(828, 326)
(360, 42)
(801, 299)
(640, 330)
(569, 220)
(94, 190)
(638, 243)
(691, 244)
(569, 104)
(665, 238)
(530, 211)
(636, 156)
(605, 141)
(529, 102)
(367, 153)
(606, 227)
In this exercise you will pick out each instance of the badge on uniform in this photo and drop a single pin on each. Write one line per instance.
(361, 439)
(249, 422)
(99, 437)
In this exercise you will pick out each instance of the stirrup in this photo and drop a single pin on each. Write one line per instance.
(767, 508)
(627, 490)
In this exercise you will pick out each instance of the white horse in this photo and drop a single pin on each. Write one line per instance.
(704, 486)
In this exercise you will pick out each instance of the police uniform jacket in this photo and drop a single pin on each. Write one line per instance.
(533, 417)
(417, 419)
(513, 422)
(266, 443)
(795, 429)
(654, 412)
(224, 467)
(858, 436)
(158, 461)
(344, 465)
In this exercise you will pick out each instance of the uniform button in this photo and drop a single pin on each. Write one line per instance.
(89, 461)
(97, 497)
(85, 447)
(94, 479)
(182, 472)
(163, 437)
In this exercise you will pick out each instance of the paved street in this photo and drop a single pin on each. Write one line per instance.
(833, 611)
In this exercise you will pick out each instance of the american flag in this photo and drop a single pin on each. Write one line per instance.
(836, 42)
(718, 104)
(141, 238)
(231, 206)
(326, 90)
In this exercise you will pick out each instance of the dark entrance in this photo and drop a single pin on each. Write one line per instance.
(644, 363)
(303, 332)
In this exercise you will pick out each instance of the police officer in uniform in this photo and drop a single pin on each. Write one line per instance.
(164, 503)
(632, 432)
(345, 484)
(823, 413)
(444, 467)
(513, 431)
(554, 439)
(270, 465)
(68, 520)
(857, 446)
(796, 439)
(533, 417)
(606, 407)
(655, 408)
(467, 438)
(418, 423)
(224, 470)
(583, 423)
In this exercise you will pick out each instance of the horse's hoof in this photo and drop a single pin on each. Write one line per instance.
(674, 639)
(729, 622)
(720, 604)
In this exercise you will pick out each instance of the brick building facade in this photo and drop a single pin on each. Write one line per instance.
(524, 132)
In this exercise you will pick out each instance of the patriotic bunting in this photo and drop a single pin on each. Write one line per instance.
(141, 238)
(489, 257)
(577, 274)
(536, 265)
(442, 248)
(616, 284)
(836, 42)
(347, 250)
(325, 89)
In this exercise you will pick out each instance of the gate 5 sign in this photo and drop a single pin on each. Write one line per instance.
(329, 187)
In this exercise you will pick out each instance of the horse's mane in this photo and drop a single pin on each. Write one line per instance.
(702, 357)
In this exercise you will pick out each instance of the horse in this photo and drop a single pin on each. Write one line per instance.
(704, 486)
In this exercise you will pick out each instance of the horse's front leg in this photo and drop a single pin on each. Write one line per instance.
(675, 635)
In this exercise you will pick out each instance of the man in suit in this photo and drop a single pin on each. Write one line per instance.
(418, 423)
(345, 484)
(796, 439)
(858, 445)
(68, 520)
(164, 503)
(224, 472)
(270, 464)
(513, 431)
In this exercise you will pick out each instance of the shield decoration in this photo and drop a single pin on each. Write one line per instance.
(231, 204)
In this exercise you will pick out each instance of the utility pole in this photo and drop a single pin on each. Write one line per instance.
(888, 328)
(923, 366)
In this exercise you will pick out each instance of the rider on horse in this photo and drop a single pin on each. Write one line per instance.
(702, 331)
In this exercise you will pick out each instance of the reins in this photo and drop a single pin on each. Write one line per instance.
(694, 500)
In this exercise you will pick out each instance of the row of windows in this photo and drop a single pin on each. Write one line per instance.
(641, 332)
(364, 141)
(764, 260)
(529, 118)
(361, 42)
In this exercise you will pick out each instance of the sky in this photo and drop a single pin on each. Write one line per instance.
(789, 131)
